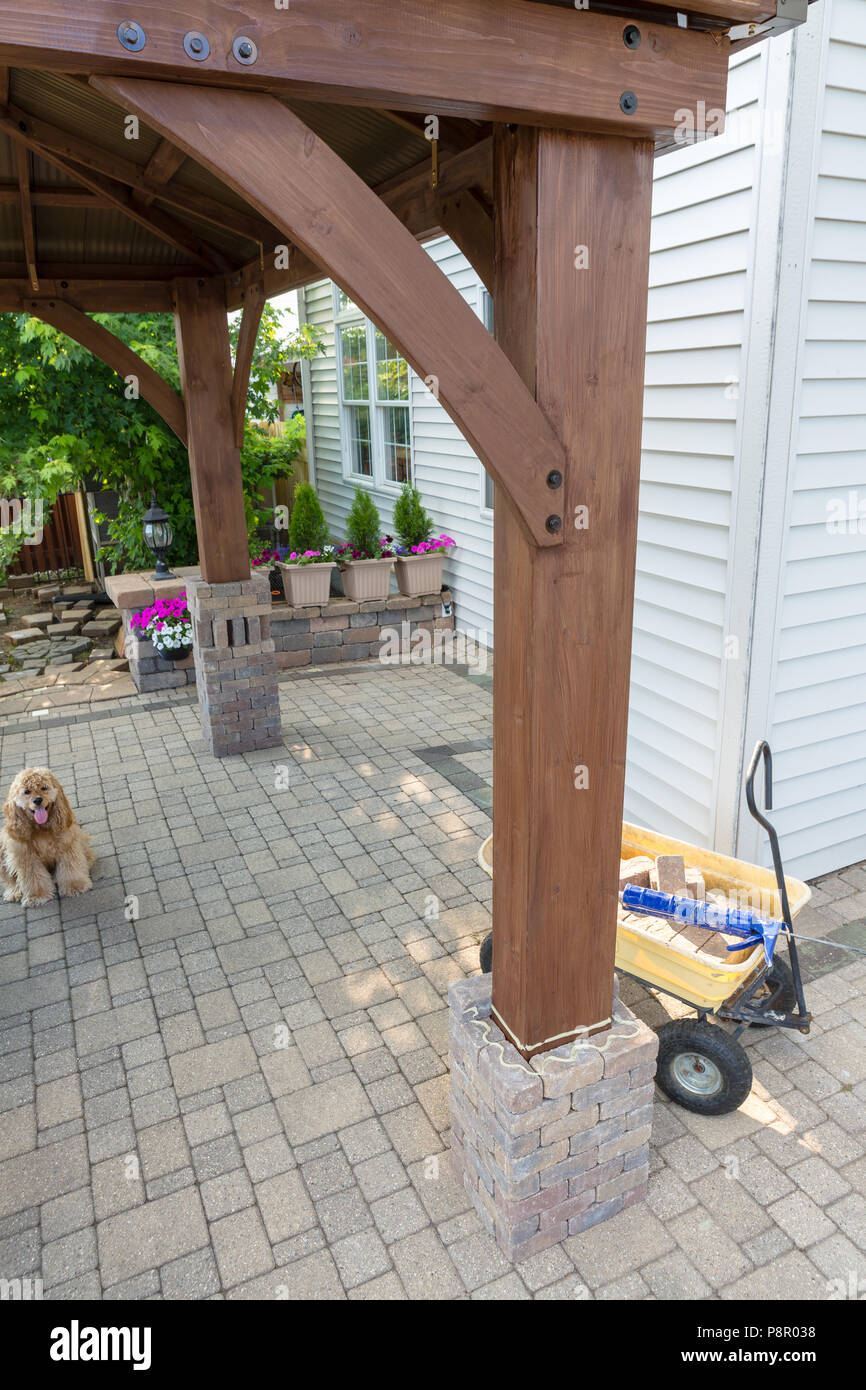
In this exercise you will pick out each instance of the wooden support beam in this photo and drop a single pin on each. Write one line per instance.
(497, 60)
(115, 354)
(268, 156)
(254, 303)
(202, 329)
(154, 220)
(47, 140)
(163, 163)
(110, 296)
(572, 218)
(470, 226)
(28, 227)
(413, 199)
(53, 196)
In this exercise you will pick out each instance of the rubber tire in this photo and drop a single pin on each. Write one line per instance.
(781, 973)
(694, 1035)
(485, 954)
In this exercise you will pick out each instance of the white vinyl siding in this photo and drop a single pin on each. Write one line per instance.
(703, 211)
(818, 694)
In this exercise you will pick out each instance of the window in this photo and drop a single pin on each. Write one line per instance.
(374, 396)
(486, 307)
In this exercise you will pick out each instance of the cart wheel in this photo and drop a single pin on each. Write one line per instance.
(781, 976)
(485, 954)
(702, 1067)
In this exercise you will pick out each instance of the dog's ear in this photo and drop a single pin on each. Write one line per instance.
(61, 817)
(17, 821)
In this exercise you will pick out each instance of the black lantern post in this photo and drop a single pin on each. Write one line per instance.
(158, 536)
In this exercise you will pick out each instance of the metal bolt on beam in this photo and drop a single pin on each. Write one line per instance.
(244, 50)
(131, 35)
(628, 103)
(196, 46)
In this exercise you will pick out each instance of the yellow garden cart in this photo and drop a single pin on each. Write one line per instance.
(720, 960)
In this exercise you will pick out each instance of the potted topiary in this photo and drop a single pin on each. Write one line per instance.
(365, 559)
(419, 556)
(307, 567)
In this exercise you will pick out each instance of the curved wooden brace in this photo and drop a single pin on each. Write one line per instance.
(261, 150)
(115, 354)
(254, 303)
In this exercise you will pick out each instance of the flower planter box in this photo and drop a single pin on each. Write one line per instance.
(307, 584)
(419, 574)
(364, 580)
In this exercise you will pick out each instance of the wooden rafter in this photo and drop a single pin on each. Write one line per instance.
(45, 139)
(163, 163)
(115, 353)
(50, 196)
(500, 60)
(268, 156)
(413, 199)
(154, 220)
(254, 303)
(28, 226)
(468, 223)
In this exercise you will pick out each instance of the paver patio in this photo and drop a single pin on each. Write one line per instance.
(224, 1069)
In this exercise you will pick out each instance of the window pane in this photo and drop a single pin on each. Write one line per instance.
(487, 310)
(360, 442)
(392, 371)
(344, 303)
(488, 491)
(353, 349)
(398, 455)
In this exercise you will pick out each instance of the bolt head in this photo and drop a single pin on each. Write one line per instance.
(554, 524)
(628, 103)
(554, 478)
(631, 36)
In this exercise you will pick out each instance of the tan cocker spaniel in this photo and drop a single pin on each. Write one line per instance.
(40, 834)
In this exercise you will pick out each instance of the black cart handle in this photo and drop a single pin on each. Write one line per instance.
(762, 749)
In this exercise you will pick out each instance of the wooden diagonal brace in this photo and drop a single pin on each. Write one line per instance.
(254, 303)
(268, 156)
(115, 354)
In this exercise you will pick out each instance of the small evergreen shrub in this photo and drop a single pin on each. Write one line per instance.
(308, 529)
(363, 527)
(412, 523)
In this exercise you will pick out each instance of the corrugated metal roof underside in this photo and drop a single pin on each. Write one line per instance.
(374, 145)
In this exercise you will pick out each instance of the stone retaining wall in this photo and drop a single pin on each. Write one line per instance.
(337, 631)
(345, 631)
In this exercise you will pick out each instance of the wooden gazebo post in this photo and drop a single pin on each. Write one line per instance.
(551, 1077)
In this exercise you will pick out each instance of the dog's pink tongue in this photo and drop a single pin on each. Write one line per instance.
(40, 815)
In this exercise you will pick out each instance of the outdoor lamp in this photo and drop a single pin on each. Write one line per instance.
(158, 536)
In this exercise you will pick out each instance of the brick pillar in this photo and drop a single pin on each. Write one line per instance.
(235, 666)
(548, 1147)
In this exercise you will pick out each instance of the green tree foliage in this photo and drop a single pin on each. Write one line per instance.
(363, 527)
(66, 417)
(308, 529)
(412, 523)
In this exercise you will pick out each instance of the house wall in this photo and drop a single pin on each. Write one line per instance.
(810, 690)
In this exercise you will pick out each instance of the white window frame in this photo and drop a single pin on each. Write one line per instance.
(378, 481)
(485, 313)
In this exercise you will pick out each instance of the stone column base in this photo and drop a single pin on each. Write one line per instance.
(235, 667)
(548, 1147)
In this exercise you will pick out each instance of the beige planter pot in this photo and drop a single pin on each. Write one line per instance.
(419, 574)
(307, 584)
(364, 580)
